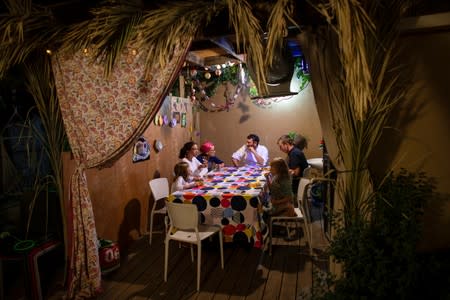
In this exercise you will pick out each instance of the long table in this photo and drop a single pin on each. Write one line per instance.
(230, 197)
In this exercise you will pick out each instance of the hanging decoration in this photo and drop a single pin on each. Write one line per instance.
(202, 83)
(141, 150)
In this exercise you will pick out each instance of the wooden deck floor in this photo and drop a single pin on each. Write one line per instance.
(248, 273)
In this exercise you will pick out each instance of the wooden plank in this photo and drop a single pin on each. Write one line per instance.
(259, 282)
(182, 277)
(216, 276)
(304, 279)
(210, 267)
(284, 275)
(290, 269)
(153, 277)
(140, 259)
(249, 272)
(235, 274)
(275, 276)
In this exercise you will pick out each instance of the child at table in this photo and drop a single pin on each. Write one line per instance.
(208, 153)
(183, 179)
(279, 186)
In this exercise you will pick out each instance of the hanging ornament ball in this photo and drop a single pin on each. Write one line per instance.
(203, 92)
(192, 91)
(193, 98)
(207, 75)
(218, 72)
(193, 72)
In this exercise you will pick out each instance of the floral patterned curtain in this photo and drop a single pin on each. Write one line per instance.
(102, 117)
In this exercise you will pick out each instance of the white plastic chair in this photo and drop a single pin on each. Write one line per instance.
(184, 227)
(160, 191)
(301, 215)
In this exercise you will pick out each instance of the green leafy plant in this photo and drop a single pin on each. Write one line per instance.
(379, 254)
(304, 78)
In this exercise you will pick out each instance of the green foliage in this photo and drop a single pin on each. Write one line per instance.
(305, 78)
(379, 254)
(201, 82)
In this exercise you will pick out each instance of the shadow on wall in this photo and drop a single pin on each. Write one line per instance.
(129, 228)
(402, 116)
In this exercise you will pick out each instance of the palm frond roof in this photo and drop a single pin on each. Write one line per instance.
(29, 27)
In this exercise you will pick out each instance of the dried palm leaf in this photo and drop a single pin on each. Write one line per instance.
(105, 36)
(25, 29)
(249, 33)
(281, 12)
(368, 90)
(40, 84)
(168, 27)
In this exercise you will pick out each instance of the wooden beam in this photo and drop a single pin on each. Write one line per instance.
(195, 59)
(434, 21)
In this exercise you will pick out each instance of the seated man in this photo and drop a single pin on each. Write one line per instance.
(252, 153)
(296, 158)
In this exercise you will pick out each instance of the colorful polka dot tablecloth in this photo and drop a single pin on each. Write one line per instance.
(230, 198)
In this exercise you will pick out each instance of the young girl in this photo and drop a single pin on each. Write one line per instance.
(279, 184)
(181, 179)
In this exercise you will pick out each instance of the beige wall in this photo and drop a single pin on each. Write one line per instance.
(419, 140)
(229, 130)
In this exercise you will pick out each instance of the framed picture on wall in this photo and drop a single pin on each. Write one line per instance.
(176, 115)
(141, 150)
(183, 120)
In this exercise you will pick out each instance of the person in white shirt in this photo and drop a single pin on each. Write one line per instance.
(251, 154)
(188, 154)
(181, 179)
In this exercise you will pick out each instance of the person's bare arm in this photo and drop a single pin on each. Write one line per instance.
(235, 162)
(258, 157)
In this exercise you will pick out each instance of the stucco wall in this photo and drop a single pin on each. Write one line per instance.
(229, 130)
(418, 139)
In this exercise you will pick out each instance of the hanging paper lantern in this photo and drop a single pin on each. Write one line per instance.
(207, 75)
